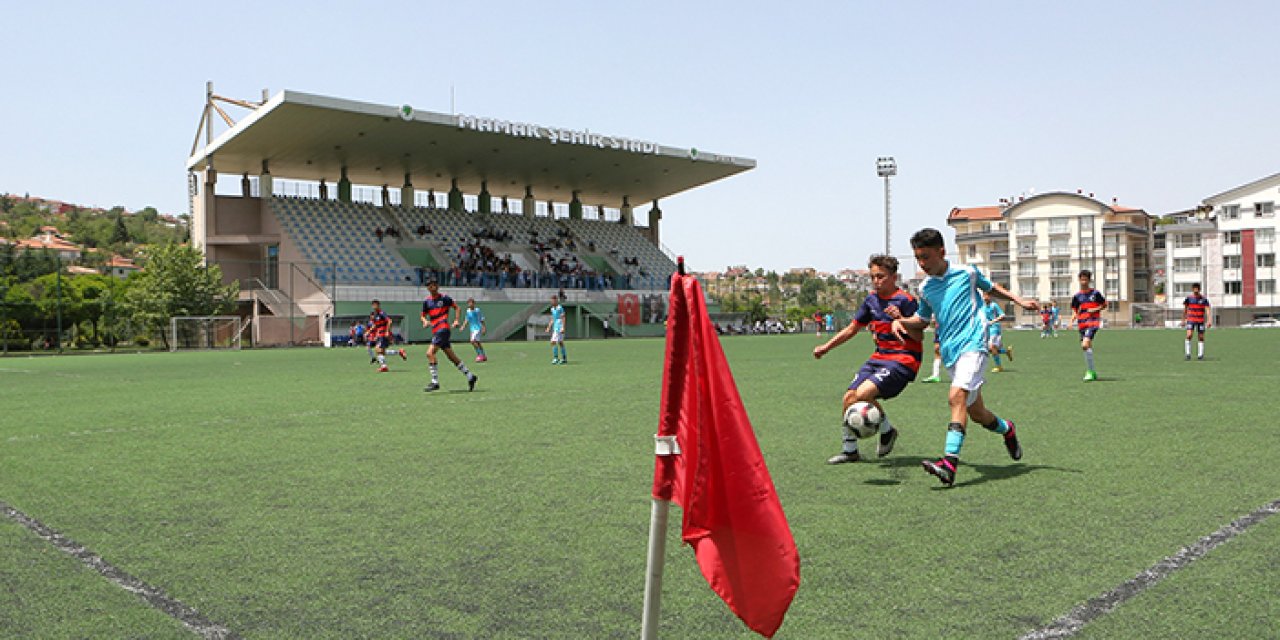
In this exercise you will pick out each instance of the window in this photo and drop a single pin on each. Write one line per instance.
(1186, 241)
(1231, 287)
(1060, 226)
(1026, 248)
(1230, 262)
(1265, 259)
(1231, 212)
(1181, 289)
(1060, 287)
(1059, 267)
(1265, 236)
(1027, 288)
(1026, 227)
(1231, 237)
(1059, 247)
(1264, 209)
(1187, 265)
(1112, 288)
(1266, 286)
(1159, 240)
(1026, 268)
(1110, 243)
(973, 251)
(1111, 265)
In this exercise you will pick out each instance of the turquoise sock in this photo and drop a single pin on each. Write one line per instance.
(955, 438)
(998, 425)
(996, 359)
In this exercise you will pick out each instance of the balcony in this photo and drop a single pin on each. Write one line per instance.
(979, 236)
(1002, 254)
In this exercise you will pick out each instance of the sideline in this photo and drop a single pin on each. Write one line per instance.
(186, 615)
(1095, 608)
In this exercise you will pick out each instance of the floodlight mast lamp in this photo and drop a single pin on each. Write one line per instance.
(886, 168)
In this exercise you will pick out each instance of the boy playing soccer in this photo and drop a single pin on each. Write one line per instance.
(380, 336)
(894, 363)
(1086, 311)
(1196, 314)
(556, 329)
(475, 321)
(435, 314)
(951, 295)
(993, 315)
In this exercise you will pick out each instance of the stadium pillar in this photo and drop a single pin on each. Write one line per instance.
(324, 190)
(655, 217)
(625, 213)
(246, 188)
(455, 196)
(485, 204)
(406, 193)
(527, 205)
(203, 216)
(344, 187)
(264, 182)
(575, 207)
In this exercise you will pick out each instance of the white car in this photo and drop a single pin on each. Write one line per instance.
(1261, 323)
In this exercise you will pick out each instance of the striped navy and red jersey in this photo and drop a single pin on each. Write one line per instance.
(1196, 306)
(379, 325)
(436, 311)
(889, 347)
(1088, 307)
(1046, 315)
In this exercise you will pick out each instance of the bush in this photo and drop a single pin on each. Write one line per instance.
(142, 341)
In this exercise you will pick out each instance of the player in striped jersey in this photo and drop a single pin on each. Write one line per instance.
(1086, 312)
(894, 363)
(380, 336)
(435, 315)
(1196, 314)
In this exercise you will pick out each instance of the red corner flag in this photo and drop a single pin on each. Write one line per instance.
(732, 516)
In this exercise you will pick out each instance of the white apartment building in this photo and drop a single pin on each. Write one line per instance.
(1037, 246)
(1239, 263)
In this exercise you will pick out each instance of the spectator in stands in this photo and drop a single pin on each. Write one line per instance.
(378, 232)
(431, 198)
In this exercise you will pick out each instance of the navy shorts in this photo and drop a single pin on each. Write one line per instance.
(441, 339)
(889, 377)
(1088, 333)
(382, 343)
(1195, 326)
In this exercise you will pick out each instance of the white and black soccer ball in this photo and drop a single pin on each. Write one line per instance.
(863, 419)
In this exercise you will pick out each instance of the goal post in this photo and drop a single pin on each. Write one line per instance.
(204, 332)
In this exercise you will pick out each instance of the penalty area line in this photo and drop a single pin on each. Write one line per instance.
(188, 616)
(1070, 624)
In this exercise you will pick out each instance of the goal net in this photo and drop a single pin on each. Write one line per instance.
(204, 332)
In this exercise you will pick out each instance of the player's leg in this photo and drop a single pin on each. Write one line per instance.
(979, 413)
(1086, 345)
(555, 349)
(993, 348)
(432, 366)
(849, 439)
(564, 355)
(1200, 353)
(382, 355)
(889, 381)
(937, 364)
(1186, 343)
(966, 382)
(462, 367)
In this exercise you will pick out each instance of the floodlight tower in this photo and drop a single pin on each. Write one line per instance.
(886, 168)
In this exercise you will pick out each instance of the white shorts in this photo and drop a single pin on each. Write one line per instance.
(995, 340)
(475, 335)
(557, 336)
(967, 373)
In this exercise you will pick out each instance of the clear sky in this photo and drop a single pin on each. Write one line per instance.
(1158, 104)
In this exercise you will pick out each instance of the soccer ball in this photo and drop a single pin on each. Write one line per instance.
(863, 419)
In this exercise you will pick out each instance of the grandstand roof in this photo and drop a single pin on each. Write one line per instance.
(309, 137)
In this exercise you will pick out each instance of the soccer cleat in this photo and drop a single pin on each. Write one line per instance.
(842, 458)
(432, 387)
(555, 361)
(1188, 357)
(373, 361)
(1009, 352)
(932, 379)
(1011, 442)
(1090, 375)
(471, 382)
(942, 469)
(403, 355)
(383, 369)
(997, 369)
(887, 441)
(1199, 357)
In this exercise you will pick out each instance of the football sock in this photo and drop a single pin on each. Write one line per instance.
(463, 368)
(555, 351)
(382, 360)
(435, 374)
(1201, 350)
(370, 353)
(850, 444)
(937, 363)
(996, 358)
(1186, 348)
(564, 353)
(885, 427)
(955, 439)
(998, 425)
(1088, 357)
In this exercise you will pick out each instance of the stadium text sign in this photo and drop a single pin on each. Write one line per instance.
(555, 135)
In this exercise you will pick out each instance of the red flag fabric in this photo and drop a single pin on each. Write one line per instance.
(732, 516)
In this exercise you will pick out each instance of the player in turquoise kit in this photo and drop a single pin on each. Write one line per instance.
(994, 315)
(477, 328)
(952, 296)
(556, 329)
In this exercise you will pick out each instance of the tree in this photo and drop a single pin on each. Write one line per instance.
(177, 283)
(809, 292)
(120, 234)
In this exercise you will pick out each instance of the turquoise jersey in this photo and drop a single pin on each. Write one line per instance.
(989, 313)
(557, 318)
(475, 318)
(954, 299)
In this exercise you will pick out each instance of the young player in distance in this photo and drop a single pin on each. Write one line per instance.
(380, 336)
(475, 322)
(1195, 312)
(891, 367)
(435, 315)
(951, 295)
(994, 315)
(556, 329)
(1086, 313)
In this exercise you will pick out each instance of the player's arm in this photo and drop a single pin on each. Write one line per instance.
(425, 323)
(483, 329)
(838, 339)
(999, 290)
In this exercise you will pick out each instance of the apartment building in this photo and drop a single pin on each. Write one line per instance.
(1239, 262)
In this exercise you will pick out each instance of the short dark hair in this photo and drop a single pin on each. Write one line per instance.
(888, 263)
(1085, 273)
(1196, 286)
(432, 281)
(927, 237)
(376, 302)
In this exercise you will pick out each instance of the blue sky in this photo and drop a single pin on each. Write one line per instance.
(1158, 104)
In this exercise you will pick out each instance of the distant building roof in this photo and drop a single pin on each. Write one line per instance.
(121, 262)
(976, 213)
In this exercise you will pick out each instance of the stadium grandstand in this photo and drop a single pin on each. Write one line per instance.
(340, 202)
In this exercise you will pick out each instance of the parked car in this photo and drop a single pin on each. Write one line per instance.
(1262, 323)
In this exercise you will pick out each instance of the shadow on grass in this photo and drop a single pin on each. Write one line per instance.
(989, 472)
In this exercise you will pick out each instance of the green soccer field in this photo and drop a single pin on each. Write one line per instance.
(299, 494)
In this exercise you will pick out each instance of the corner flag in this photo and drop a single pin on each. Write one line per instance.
(716, 473)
